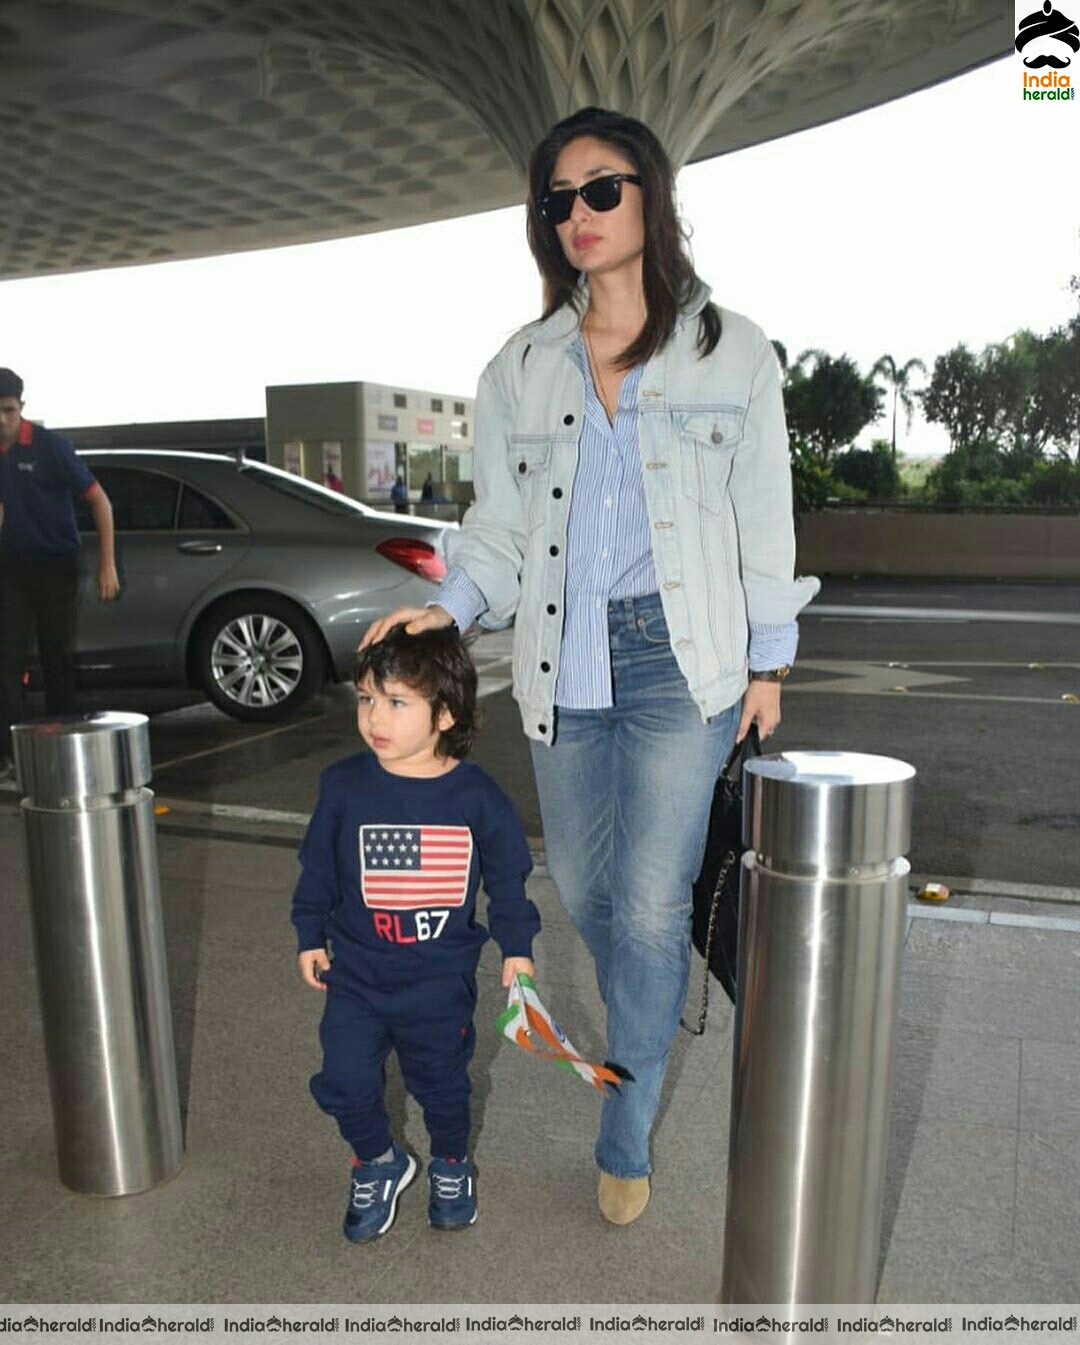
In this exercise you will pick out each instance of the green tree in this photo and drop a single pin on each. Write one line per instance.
(971, 473)
(812, 354)
(1059, 386)
(1022, 394)
(955, 396)
(811, 484)
(872, 470)
(1009, 378)
(1031, 394)
(899, 381)
(830, 406)
(1056, 482)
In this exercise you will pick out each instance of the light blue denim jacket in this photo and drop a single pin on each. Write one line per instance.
(714, 457)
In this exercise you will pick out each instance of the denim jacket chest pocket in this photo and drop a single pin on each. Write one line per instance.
(707, 442)
(529, 461)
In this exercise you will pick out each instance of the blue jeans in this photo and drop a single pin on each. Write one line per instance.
(624, 797)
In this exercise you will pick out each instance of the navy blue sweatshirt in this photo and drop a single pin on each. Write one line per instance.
(391, 864)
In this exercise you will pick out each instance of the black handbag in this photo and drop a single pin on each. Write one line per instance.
(716, 891)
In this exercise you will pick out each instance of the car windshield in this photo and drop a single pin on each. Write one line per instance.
(308, 491)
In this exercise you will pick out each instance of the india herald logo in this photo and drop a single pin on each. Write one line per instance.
(1047, 28)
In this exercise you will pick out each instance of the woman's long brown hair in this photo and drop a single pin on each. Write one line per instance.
(667, 271)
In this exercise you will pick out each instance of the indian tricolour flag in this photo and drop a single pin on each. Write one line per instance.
(528, 1024)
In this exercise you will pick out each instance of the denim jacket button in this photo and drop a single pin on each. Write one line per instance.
(568, 419)
(545, 667)
(553, 550)
(718, 436)
(557, 493)
(523, 467)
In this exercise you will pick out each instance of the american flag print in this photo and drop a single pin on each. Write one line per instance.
(409, 868)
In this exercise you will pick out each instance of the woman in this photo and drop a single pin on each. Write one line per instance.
(633, 513)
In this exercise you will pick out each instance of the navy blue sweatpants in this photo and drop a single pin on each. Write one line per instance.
(429, 1024)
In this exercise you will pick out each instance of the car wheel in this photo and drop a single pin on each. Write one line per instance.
(258, 657)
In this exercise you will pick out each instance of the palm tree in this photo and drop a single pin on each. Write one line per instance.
(899, 380)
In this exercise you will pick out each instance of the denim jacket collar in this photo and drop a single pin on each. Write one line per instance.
(563, 325)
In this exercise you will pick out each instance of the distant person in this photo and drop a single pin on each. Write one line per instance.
(399, 841)
(399, 493)
(427, 490)
(333, 481)
(633, 519)
(40, 478)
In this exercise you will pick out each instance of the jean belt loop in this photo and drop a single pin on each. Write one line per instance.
(628, 612)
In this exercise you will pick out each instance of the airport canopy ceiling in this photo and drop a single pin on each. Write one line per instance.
(148, 130)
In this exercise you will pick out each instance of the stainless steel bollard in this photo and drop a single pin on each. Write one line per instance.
(100, 949)
(821, 937)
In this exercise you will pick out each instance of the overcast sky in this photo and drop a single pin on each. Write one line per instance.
(952, 215)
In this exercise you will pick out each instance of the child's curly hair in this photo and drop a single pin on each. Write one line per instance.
(436, 664)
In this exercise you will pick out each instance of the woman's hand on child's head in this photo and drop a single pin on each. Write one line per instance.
(415, 620)
(310, 963)
(512, 966)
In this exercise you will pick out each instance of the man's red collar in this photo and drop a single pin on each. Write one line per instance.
(25, 436)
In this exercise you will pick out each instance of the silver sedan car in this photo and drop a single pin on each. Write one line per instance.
(242, 580)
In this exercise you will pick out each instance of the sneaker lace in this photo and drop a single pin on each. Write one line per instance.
(363, 1193)
(446, 1187)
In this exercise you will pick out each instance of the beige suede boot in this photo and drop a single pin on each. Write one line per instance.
(622, 1199)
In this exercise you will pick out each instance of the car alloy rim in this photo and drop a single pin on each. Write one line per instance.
(257, 660)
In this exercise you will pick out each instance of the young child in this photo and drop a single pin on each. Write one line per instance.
(397, 846)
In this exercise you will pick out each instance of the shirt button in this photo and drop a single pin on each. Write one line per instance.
(551, 609)
(545, 667)
(568, 419)
(557, 493)
(553, 550)
(607, 503)
(604, 552)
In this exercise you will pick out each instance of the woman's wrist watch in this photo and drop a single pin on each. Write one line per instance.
(770, 674)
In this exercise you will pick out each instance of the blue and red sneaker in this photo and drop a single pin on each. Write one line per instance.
(453, 1193)
(373, 1195)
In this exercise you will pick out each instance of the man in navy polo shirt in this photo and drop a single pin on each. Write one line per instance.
(40, 478)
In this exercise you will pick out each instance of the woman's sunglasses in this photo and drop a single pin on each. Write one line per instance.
(602, 193)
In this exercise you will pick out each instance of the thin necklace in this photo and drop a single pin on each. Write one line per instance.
(597, 375)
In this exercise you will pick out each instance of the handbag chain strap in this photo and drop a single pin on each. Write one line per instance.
(714, 910)
(749, 747)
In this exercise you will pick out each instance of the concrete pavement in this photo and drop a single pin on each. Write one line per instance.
(983, 1192)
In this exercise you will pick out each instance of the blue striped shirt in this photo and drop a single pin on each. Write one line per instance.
(608, 553)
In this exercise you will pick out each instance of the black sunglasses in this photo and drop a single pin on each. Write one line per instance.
(602, 193)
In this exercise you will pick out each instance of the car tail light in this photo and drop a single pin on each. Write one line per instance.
(419, 557)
